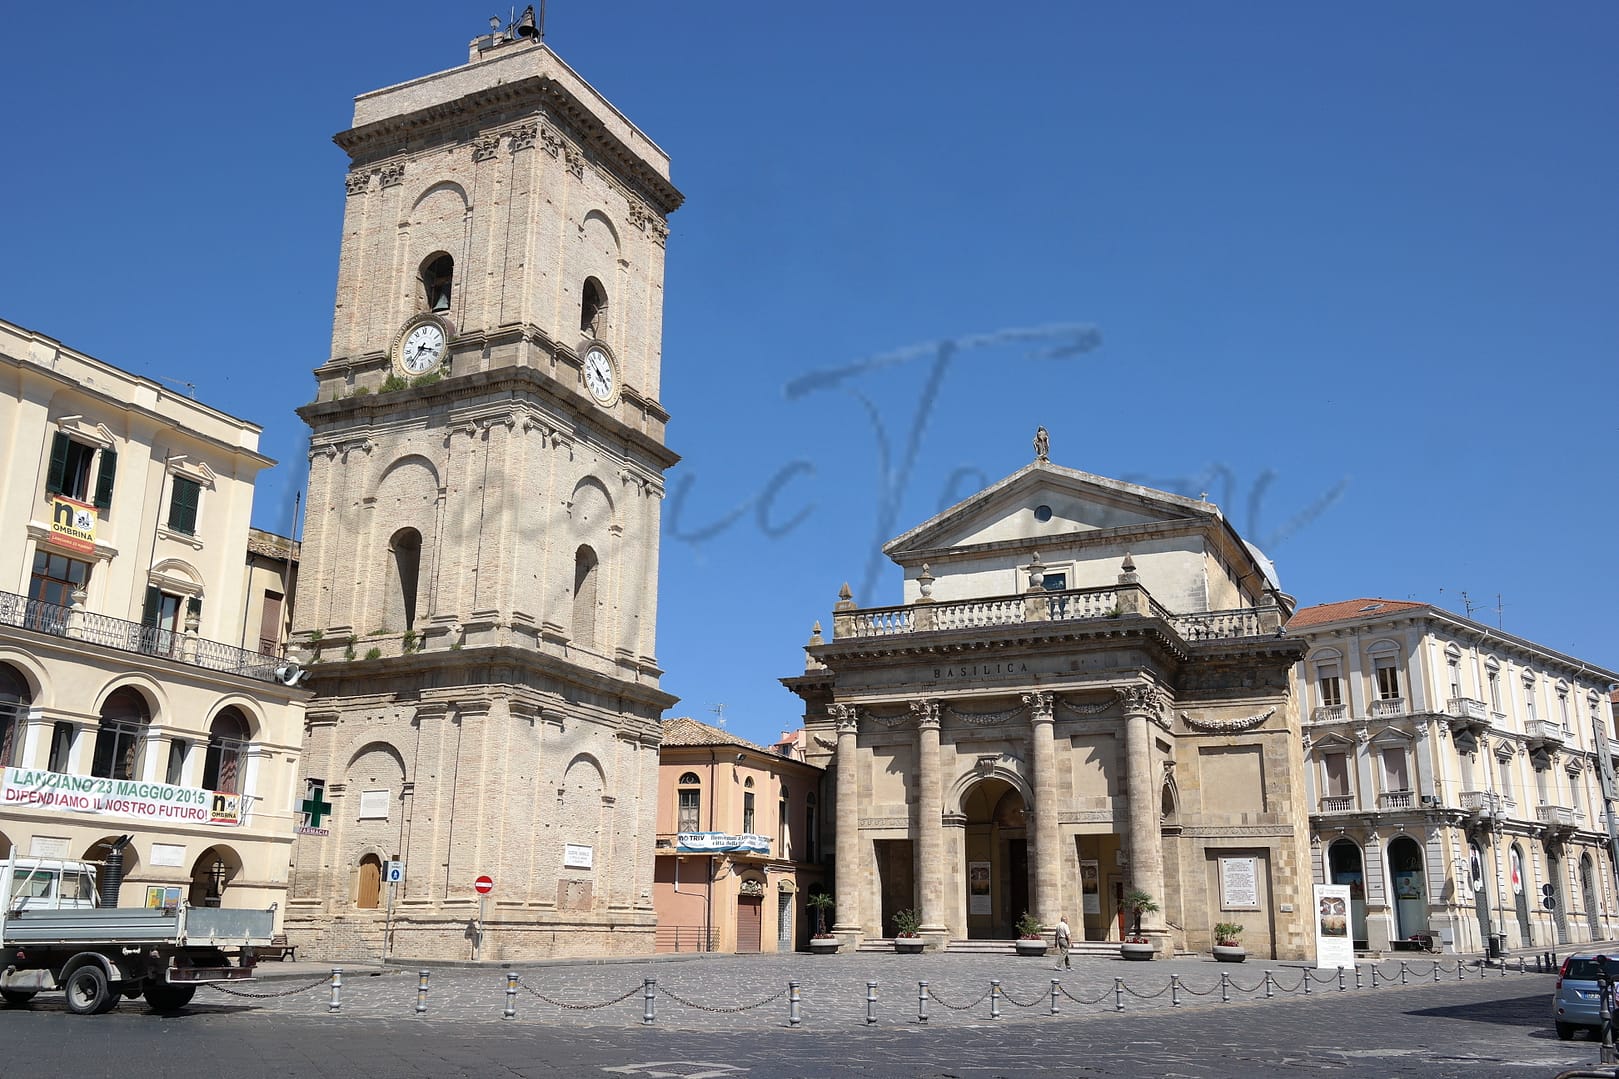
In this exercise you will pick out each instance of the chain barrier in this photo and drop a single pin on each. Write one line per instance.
(1006, 993)
(1239, 987)
(1146, 996)
(678, 999)
(1296, 986)
(565, 1006)
(957, 1007)
(324, 979)
(1188, 989)
(1078, 1000)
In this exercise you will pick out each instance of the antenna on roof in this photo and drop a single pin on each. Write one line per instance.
(1467, 602)
(719, 715)
(191, 390)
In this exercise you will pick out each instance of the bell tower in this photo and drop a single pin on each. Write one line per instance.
(478, 589)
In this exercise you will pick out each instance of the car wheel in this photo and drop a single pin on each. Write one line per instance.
(88, 992)
(1565, 1031)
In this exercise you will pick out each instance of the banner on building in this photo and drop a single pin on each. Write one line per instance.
(1334, 944)
(31, 788)
(73, 525)
(721, 843)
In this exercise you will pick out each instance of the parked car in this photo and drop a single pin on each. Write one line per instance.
(1578, 1000)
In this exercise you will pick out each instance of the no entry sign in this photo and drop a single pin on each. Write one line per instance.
(484, 884)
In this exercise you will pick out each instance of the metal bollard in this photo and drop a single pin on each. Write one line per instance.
(1054, 996)
(994, 998)
(1520, 965)
(511, 997)
(1436, 972)
(1402, 972)
(1504, 966)
(1357, 976)
(793, 1018)
(336, 1003)
(1268, 984)
(871, 1002)
(1174, 991)
(1461, 964)
(1306, 980)
(1374, 975)
(1225, 984)
(1118, 994)
(649, 986)
(1340, 979)
(921, 1002)
(421, 992)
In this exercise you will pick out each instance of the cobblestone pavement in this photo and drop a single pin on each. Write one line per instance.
(730, 993)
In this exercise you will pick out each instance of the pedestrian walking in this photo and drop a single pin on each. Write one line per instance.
(1063, 940)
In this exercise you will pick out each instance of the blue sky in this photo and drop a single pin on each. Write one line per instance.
(1350, 270)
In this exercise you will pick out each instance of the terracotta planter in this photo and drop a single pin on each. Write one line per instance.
(825, 945)
(1230, 953)
(1136, 951)
(908, 945)
(1031, 947)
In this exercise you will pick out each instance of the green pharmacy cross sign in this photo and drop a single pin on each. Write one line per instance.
(314, 807)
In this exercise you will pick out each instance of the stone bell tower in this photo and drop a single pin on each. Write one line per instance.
(478, 591)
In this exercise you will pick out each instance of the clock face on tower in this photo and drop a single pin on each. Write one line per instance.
(601, 374)
(422, 345)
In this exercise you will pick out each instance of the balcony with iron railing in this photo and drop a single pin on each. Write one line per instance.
(75, 623)
(1068, 605)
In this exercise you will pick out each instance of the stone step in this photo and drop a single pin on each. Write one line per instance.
(1098, 948)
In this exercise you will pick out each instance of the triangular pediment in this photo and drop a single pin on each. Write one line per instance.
(1043, 502)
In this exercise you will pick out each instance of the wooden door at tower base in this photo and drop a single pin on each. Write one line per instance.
(749, 923)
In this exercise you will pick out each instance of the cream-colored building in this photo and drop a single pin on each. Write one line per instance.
(1083, 691)
(128, 705)
(738, 843)
(479, 575)
(1455, 779)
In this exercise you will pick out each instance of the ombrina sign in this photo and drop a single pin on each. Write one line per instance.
(31, 788)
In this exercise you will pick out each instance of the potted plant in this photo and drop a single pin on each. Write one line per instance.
(1227, 943)
(1139, 904)
(822, 943)
(906, 937)
(1029, 940)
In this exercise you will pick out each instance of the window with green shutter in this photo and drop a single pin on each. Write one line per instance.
(183, 505)
(104, 478)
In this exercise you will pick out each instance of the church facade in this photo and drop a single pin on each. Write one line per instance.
(477, 598)
(1084, 693)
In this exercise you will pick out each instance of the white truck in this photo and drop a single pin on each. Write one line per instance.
(55, 936)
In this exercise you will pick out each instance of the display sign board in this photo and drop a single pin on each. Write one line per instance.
(396, 872)
(978, 898)
(1090, 892)
(1239, 884)
(1334, 943)
(578, 856)
(484, 885)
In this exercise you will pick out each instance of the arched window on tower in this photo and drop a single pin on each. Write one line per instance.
(404, 566)
(593, 307)
(584, 596)
(438, 274)
(689, 817)
(226, 761)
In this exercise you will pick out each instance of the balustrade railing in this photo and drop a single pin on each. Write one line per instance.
(1468, 708)
(1545, 730)
(1330, 713)
(880, 621)
(1209, 625)
(1395, 800)
(1338, 803)
(1561, 816)
(126, 636)
(973, 613)
(1391, 708)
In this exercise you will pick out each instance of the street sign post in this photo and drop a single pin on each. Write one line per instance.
(483, 886)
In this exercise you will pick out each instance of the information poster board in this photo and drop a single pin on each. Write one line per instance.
(1239, 887)
(1090, 873)
(978, 888)
(1334, 946)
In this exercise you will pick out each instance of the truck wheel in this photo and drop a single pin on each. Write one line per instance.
(169, 998)
(16, 998)
(88, 992)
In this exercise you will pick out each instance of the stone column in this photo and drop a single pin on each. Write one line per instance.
(1047, 854)
(929, 824)
(846, 855)
(1144, 703)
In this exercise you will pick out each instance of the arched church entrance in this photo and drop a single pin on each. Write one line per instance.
(997, 856)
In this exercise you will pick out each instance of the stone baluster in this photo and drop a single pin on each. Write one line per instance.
(1047, 853)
